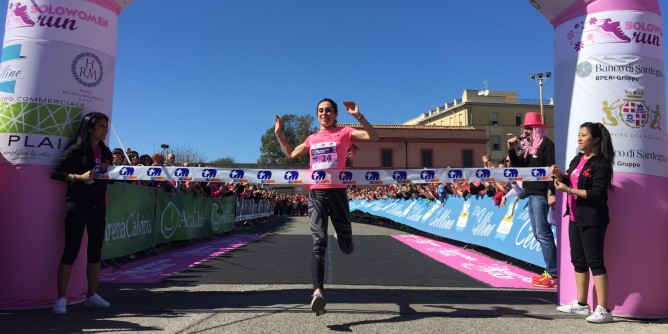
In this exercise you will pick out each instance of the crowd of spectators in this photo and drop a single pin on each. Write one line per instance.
(433, 192)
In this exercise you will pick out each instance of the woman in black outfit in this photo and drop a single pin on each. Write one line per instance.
(586, 182)
(86, 207)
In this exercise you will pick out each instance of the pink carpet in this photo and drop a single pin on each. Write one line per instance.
(495, 273)
(156, 268)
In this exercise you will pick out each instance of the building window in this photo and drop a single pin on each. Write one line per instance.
(467, 158)
(496, 142)
(386, 158)
(452, 121)
(518, 119)
(494, 118)
(427, 158)
(461, 119)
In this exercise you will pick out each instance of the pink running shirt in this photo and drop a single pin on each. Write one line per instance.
(572, 199)
(328, 150)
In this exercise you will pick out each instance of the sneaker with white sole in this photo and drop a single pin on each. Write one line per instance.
(600, 316)
(96, 301)
(60, 306)
(318, 304)
(575, 308)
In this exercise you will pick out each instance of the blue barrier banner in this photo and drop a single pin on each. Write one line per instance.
(476, 221)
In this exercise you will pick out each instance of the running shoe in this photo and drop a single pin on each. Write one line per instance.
(318, 304)
(96, 301)
(60, 306)
(538, 278)
(600, 316)
(546, 281)
(575, 308)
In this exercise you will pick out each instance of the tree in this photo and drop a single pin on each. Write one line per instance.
(295, 129)
(222, 161)
(188, 154)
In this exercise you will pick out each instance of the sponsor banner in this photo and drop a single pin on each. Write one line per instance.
(476, 221)
(247, 209)
(627, 95)
(181, 216)
(38, 117)
(305, 176)
(135, 223)
(620, 32)
(74, 22)
(130, 220)
(222, 213)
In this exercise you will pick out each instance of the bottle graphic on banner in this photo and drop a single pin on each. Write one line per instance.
(408, 209)
(430, 212)
(506, 223)
(463, 217)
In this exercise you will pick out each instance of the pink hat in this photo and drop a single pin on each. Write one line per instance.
(532, 119)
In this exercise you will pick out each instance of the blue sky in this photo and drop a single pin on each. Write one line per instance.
(211, 74)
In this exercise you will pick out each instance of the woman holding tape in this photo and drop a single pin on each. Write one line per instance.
(86, 204)
(327, 149)
(586, 182)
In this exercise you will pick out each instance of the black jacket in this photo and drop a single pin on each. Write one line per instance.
(72, 162)
(595, 177)
(544, 158)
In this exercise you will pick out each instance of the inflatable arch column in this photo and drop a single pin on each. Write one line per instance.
(57, 65)
(609, 68)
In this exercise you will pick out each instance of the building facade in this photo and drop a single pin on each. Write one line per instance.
(420, 146)
(498, 113)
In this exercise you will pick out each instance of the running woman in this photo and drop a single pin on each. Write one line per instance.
(327, 149)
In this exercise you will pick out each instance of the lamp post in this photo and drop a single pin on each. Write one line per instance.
(540, 77)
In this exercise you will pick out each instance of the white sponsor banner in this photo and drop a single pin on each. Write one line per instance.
(306, 176)
(75, 22)
(610, 33)
(626, 94)
(39, 116)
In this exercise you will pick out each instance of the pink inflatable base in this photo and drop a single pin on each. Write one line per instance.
(32, 238)
(635, 249)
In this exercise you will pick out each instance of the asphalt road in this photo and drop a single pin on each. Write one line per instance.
(264, 287)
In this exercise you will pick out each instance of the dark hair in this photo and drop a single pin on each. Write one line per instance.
(604, 148)
(145, 160)
(82, 140)
(336, 107)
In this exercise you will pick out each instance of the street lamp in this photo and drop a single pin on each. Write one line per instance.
(164, 148)
(540, 77)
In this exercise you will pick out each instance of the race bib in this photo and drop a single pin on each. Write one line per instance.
(323, 156)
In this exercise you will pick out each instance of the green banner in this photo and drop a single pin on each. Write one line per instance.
(181, 216)
(222, 213)
(130, 220)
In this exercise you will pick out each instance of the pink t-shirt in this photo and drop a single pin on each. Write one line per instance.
(328, 150)
(575, 174)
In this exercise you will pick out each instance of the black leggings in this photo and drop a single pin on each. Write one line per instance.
(78, 217)
(324, 204)
(587, 248)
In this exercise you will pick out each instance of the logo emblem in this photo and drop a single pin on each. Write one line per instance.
(346, 177)
(400, 176)
(87, 69)
(428, 175)
(456, 175)
(483, 174)
(318, 175)
(210, 174)
(265, 176)
(633, 111)
(584, 69)
(182, 174)
(154, 172)
(511, 173)
(17, 16)
(539, 173)
(236, 174)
